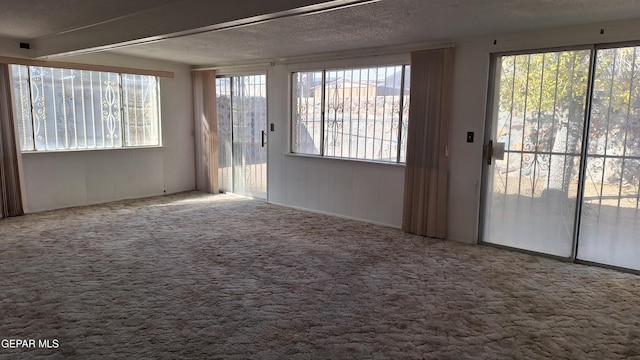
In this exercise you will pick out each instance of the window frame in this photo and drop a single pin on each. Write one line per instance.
(403, 118)
(122, 112)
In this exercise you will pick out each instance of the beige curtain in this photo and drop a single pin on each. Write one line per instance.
(425, 193)
(206, 132)
(10, 192)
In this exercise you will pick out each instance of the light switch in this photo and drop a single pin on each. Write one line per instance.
(470, 136)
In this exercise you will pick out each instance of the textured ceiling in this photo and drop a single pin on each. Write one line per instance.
(369, 25)
(385, 23)
(26, 19)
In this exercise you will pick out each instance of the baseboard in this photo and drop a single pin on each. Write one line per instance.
(336, 215)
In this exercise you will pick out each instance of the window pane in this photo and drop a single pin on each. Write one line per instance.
(405, 113)
(111, 119)
(362, 113)
(223, 110)
(307, 117)
(72, 106)
(249, 120)
(90, 108)
(22, 96)
(610, 220)
(140, 94)
(42, 102)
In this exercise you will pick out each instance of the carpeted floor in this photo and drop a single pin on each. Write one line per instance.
(207, 277)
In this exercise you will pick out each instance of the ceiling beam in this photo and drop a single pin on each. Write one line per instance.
(182, 18)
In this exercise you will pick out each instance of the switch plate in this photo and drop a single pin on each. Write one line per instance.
(470, 136)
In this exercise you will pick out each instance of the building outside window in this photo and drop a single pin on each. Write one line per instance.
(356, 114)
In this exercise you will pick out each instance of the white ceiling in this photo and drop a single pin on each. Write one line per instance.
(203, 33)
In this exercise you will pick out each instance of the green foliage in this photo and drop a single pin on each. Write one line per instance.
(543, 99)
(550, 89)
(549, 83)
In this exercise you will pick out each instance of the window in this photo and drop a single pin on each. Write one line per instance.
(352, 113)
(68, 109)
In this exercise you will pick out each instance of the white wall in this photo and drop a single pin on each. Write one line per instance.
(62, 179)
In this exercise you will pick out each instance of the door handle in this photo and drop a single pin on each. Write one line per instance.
(264, 138)
(489, 152)
(495, 151)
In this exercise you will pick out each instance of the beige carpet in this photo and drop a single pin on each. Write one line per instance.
(207, 277)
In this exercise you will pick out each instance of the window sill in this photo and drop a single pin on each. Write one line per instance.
(348, 160)
(90, 150)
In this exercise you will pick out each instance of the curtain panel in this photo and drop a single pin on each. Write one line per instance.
(427, 165)
(206, 130)
(10, 191)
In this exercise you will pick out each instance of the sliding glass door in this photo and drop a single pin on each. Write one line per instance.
(568, 181)
(538, 117)
(610, 222)
(242, 125)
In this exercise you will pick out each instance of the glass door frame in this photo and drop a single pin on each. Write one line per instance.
(231, 75)
(588, 155)
(487, 184)
(489, 135)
